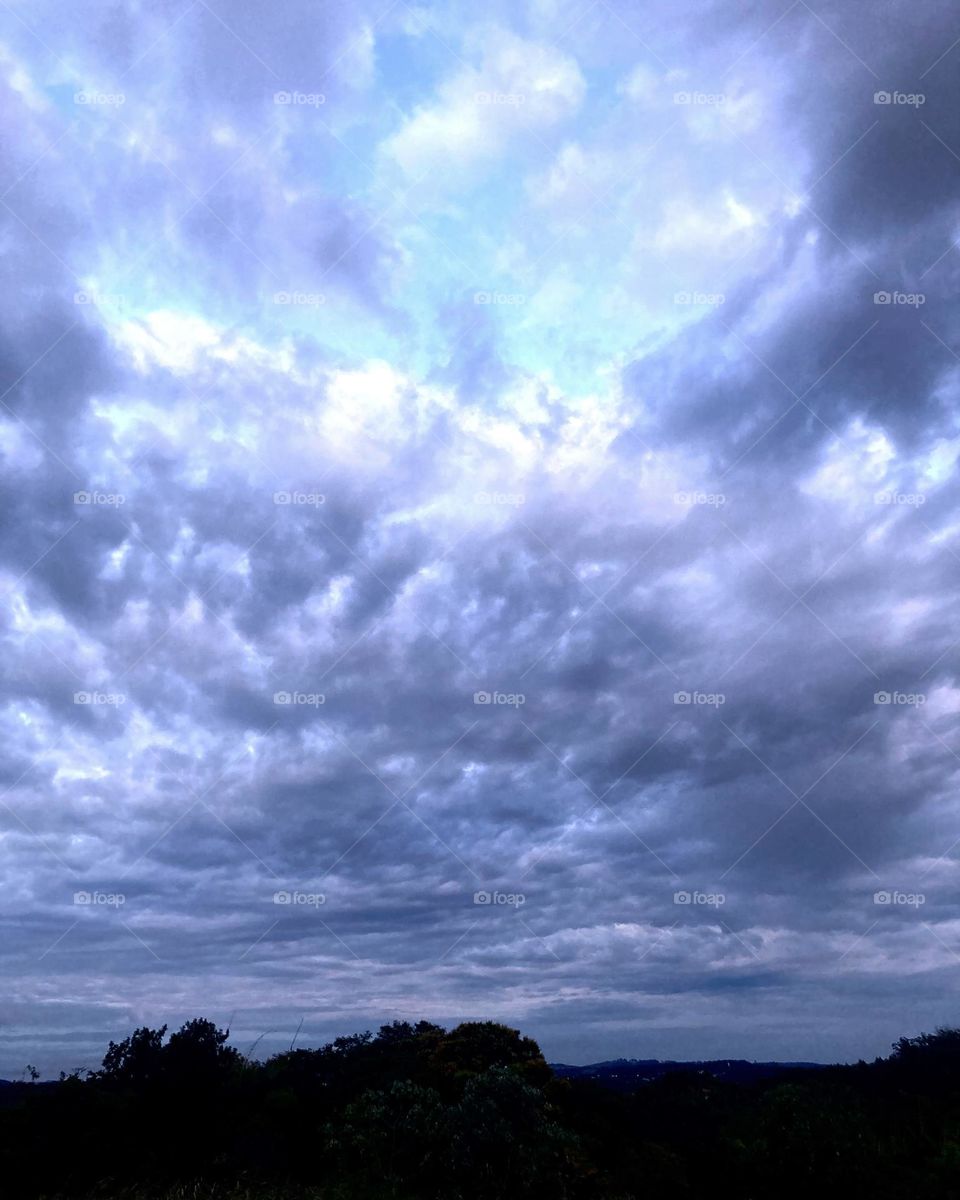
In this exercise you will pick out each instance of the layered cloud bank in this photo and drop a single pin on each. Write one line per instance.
(479, 523)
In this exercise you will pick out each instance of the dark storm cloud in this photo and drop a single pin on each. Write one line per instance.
(879, 198)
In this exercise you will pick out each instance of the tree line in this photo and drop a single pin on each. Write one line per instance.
(419, 1112)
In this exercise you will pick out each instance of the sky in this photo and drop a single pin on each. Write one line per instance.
(479, 523)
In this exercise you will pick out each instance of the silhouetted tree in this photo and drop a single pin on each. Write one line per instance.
(136, 1059)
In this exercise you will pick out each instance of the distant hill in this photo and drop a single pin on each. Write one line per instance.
(626, 1074)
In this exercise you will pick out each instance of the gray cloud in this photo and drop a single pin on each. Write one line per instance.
(759, 516)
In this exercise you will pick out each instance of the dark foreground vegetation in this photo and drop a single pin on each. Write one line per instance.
(473, 1114)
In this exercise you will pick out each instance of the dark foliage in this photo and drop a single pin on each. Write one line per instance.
(419, 1113)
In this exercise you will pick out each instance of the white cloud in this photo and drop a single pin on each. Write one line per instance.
(516, 85)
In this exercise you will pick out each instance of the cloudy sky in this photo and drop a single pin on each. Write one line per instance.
(479, 522)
